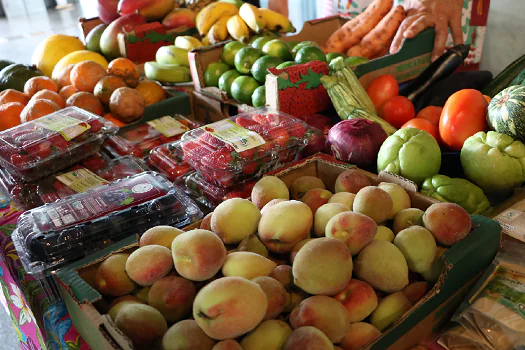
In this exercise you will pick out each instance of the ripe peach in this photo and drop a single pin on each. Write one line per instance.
(359, 299)
(246, 264)
(117, 304)
(142, 294)
(143, 324)
(271, 204)
(228, 344)
(352, 181)
(111, 278)
(229, 307)
(448, 222)
(267, 189)
(324, 214)
(206, 222)
(284, 225)
(307, 338)
(283, 274)
(418, 246)
(304, 184)
(235, 219)
(297, 247)
(159, 235)
(275, 293)
(389, 310)
(186, 335)
(295, 297)
(253, 244)
(359, 334)
(415, 291)
(173, 297)
(269, 335)
(323, 266)
(198, 254)
(373, 202)
(354, 229)
(384, 234)
(316, 198)
(344, 198)
(149, 264)
(406, 218)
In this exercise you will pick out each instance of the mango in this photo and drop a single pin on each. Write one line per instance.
(186, 335)
(389, 310)
(418, 246)
(248, 265)
(143, 324)
(235, 219)
(111, 277)
(269, 335)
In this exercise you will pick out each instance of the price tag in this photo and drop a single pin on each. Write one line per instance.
(239, 138)
(168, 126)
(81, 180)
(66, 126)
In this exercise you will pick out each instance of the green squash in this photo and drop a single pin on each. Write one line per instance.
(506, 112)
(16, 75)
(5, 63)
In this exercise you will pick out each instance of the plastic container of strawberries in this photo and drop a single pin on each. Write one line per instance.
(55, 234)
(168, 160)
(140, 140)
(242, 148)
(49, 144)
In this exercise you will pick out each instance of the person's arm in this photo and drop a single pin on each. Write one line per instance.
(280, 6)
(440, 14)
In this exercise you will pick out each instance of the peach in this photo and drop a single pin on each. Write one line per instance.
(142, 294)
(399, 196)
(149, 264)
(248, 265)
(307, 338)
(173, 297)
(374, 203)
(271, 204)
(253, 244)
(382, 265)
(142, 324)
(324, 313)
(284, 225)
(269, 335)
(112, 279)
(117, 304)
(359, 299)
(353, 229)
(206, 222)
(359, 334)
(323, 266)
(418, 246)
(228, 344)
(316, 198)
(448, 222)
(344, 198)
(229, 307)
(324, 214)
(352, 180)
(406, 218)
(186, 335)
(267, 189)
(384, 234)
(283, 274)
(297, 247)
(415, 291)
(275, 293)
(294, 298)
(389, 310)
(337, 348)
(235, 219)
(304, 184)
(431, 275)
(159, 235)
(198, 254)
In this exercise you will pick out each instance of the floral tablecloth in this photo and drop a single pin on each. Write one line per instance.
(39, 322)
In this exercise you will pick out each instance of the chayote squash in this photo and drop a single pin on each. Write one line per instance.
(15, 76)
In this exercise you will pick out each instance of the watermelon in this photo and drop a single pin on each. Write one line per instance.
(506, 112)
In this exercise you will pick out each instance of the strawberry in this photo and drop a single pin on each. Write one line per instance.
(279, 136)
(245, 122)
(195, 150)
(20, 160)
(137, 134)
(95, 162)
(219, 159)
(265, 119)
(96, 125)
(250, 168)
(40, 150)
(60, 143)
(50, 197)
(211, 140)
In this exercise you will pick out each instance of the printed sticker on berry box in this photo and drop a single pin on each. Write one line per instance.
(168, 126)
(239, 138)
(81, 180)
(66, 126)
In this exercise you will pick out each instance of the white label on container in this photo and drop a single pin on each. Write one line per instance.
(239, 138)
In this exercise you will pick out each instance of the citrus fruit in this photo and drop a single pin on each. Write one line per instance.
(309, 54)
(50, 96)
(229, 51)
(303, 44)
(243, 88)
(126, 70)
(286, 64)
(355, 61)
(11, 95)
(127, 104)
(277, 48)
(253, 38)
(260, 67)
(87, 101)
(259, 97)
(152, 91)
(330, 56)
(106, 86)
(10, 115)
(76, 57)
(226, 80)
(214, 72)
(36, 109)
(85, 75)
(67, 91)
(35, 84)
(259, 42)
(245, 58)
(64, 77)
(52, 49)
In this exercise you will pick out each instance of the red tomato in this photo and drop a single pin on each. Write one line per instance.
(431, 113)
(463, 116)
(423, 124)
(397, 111)
(382, 89)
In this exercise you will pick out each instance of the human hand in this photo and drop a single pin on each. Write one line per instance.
(422, 14)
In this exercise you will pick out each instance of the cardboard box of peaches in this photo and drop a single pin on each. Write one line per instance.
(389, 307)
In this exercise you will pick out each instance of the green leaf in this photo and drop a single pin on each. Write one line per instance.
(283, 84)
(311, 79)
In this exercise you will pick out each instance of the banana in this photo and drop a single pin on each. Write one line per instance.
(277, 22)
(238, 29)
(172, 55)
(237, 3)
(167, 73)
(187, 42)
(252, 16)
(205, 41)
(212, 13)
(219, 31)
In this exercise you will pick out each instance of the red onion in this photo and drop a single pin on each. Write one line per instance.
(356, 141)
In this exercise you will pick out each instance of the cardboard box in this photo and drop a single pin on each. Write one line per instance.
(464, 263)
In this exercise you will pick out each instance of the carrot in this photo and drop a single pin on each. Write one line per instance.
(380, 37)
(353, 31)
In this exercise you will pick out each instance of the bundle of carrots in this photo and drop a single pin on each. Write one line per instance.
(370, 33)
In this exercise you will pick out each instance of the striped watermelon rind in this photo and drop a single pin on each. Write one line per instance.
(506, 112)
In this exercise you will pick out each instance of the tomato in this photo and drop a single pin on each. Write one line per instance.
(431, 113)
(397, 111)
(423, 124)
(487, 98)
(464, 115)
(382, 89)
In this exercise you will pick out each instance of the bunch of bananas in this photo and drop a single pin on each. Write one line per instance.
(220, 20)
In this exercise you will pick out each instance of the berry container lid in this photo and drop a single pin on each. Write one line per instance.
(55, 234)
(141, 139)
(49, 144)
(168, 160)
(244, 147)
